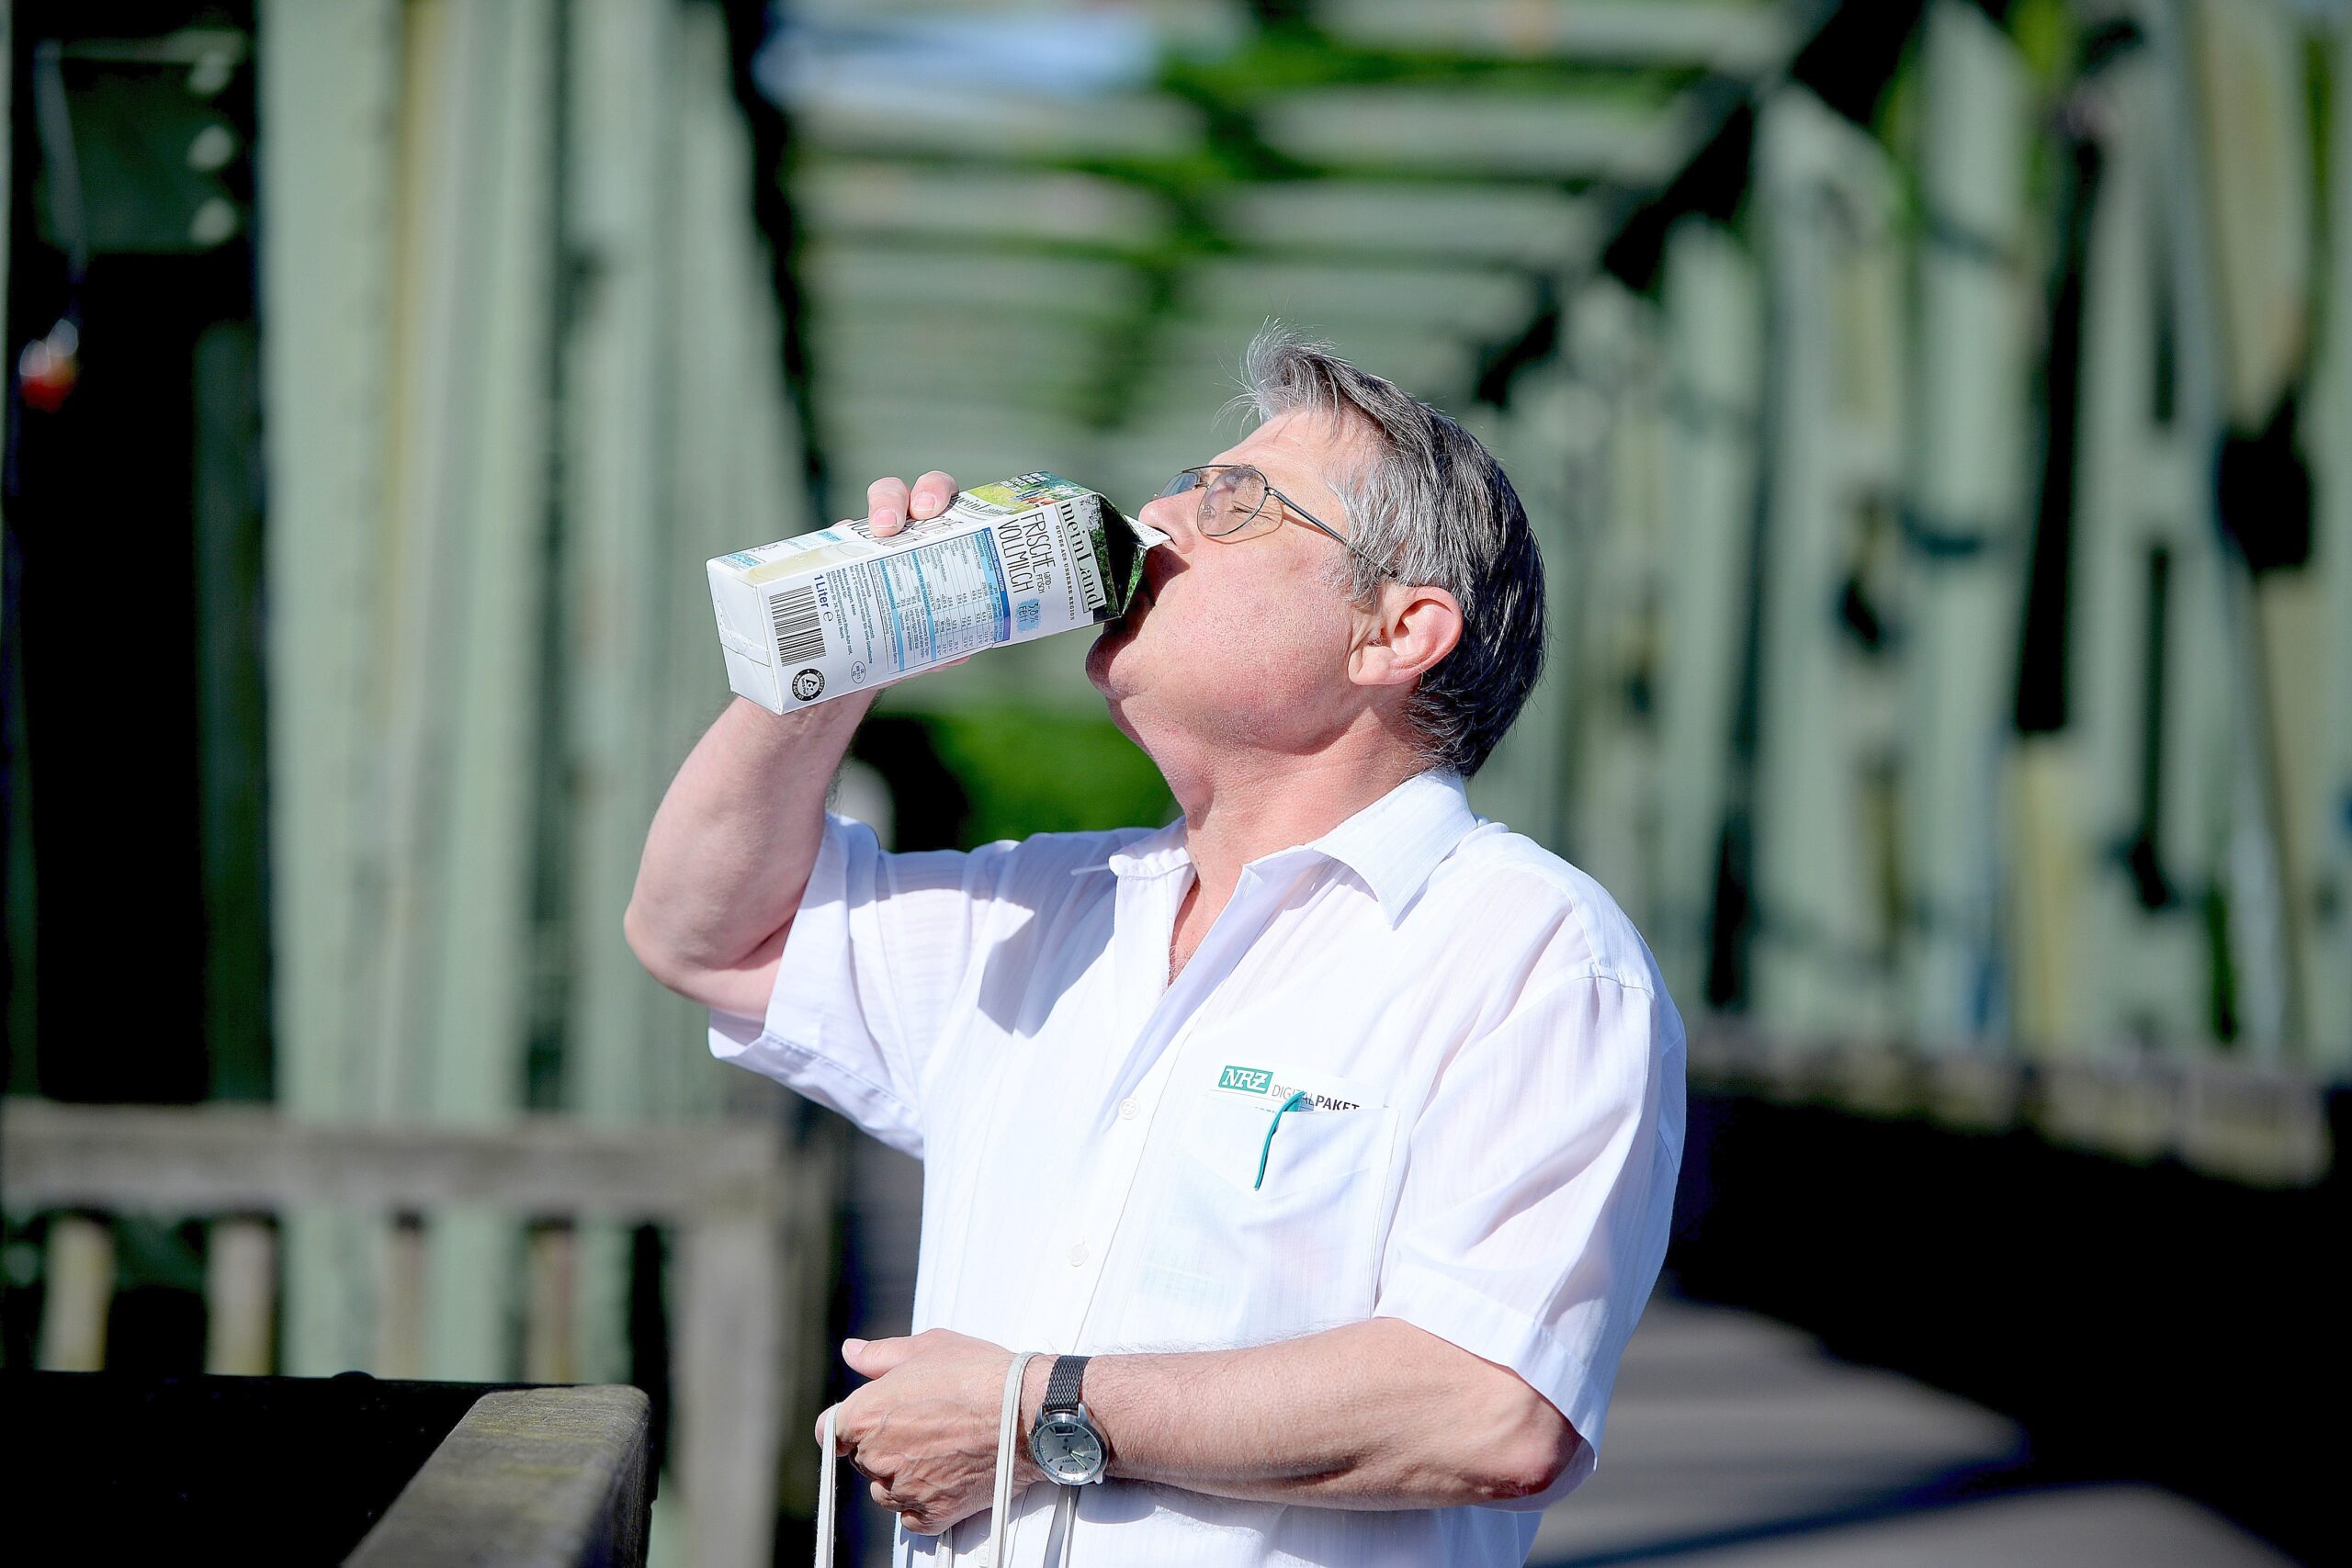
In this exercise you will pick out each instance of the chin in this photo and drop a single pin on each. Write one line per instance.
(1098, 660)
(1109, 666)
(1109, 643)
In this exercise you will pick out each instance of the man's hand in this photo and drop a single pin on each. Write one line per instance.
(889, 507)
(924, 1430)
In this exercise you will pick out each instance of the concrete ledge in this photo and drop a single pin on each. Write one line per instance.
(529, 1478)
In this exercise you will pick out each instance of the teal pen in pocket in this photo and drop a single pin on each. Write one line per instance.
(1297, 1099)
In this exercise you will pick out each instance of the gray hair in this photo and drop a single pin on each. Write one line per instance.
(1435, 506)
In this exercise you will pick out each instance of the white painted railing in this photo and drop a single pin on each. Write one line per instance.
(723, 1188)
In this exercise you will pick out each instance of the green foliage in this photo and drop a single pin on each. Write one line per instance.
(2047, 34)
(1027, 771)
(1279, 60)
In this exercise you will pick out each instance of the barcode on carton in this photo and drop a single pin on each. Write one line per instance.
(799, 635)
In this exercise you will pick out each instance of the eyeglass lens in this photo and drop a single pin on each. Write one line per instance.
(1231, 500)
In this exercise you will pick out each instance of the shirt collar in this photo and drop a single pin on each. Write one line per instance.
(1394, 844)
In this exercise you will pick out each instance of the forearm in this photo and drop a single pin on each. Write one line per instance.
(730, 850)
(1373, 1415)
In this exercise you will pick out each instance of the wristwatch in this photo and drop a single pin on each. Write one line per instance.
(1063, 1439)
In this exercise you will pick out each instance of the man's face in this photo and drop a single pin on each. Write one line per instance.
(1243, 642)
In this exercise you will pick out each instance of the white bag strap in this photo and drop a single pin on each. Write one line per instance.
(1007, 1435)
(825, 1484)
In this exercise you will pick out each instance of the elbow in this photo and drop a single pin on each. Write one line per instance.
(1533, 1448)
(659, 958)
(640, 941)
(739, 986)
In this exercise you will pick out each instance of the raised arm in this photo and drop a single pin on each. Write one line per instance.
(729, 850)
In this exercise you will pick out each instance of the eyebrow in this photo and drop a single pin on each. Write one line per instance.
(1276, 481)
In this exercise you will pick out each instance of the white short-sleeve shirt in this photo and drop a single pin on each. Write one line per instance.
(1485, 1079)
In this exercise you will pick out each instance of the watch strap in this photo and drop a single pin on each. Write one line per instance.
(1062, 1383)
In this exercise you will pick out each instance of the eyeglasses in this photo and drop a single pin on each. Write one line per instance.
(1233, 499)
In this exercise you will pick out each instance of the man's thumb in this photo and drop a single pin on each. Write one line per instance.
(872, 1357)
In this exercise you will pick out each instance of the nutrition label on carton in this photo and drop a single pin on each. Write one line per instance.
(902, 611)
(806, 619)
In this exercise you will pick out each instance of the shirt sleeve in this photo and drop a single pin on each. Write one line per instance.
(1538, 1191)
(877, 952)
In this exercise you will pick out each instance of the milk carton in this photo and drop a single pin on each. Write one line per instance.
(839, 610)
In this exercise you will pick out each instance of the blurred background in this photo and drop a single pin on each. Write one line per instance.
(1937, 418)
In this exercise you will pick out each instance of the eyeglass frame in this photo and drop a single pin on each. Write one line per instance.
(1169, 490)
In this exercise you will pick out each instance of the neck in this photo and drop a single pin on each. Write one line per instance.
(1241, 806)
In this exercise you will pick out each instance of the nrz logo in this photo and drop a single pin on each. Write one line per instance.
(1249, 1080)
(808, 685)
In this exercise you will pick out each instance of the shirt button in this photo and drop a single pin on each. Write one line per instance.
(1127, 1108)
(1078, 1256)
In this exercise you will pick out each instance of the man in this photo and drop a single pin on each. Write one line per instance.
(1335, 1126)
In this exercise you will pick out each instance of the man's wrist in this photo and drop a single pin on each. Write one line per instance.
(784, 756)
(1034, 1379)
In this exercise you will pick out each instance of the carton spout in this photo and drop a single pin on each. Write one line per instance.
(1128, 541)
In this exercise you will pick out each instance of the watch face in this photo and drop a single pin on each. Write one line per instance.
(1067, 1448)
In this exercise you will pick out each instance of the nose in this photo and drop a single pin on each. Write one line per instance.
(1178, 516)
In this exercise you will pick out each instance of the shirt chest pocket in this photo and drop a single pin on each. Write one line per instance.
(1284, 1160)
(1268, 1225)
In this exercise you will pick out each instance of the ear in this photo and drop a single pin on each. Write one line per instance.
(1408, 631)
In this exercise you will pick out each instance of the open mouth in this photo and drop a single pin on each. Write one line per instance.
(1147, 594)
(1155, 572)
